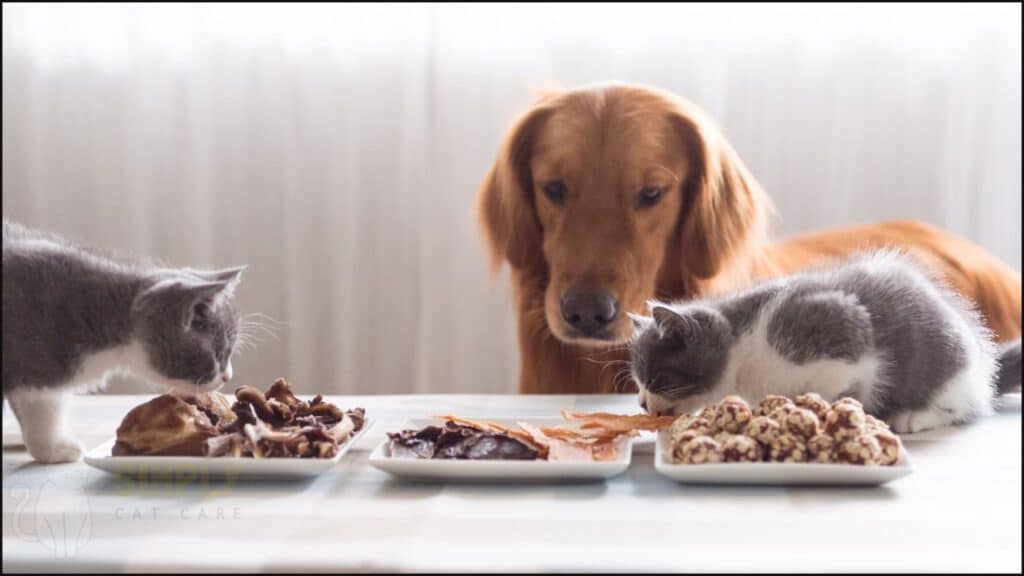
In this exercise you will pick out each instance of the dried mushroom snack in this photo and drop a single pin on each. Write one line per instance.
(770, 403)
(787, 448)
(732, 415)
(815, 403)
(740, 448)
(845, 421)
(700, 450)
(820, 449)
(801, 422)
(864, 450)
(763, 429)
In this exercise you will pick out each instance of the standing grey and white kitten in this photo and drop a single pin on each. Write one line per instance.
(877, 328)
(72, 316)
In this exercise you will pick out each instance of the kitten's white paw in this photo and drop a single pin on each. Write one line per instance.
(919, 420)
(60, 450)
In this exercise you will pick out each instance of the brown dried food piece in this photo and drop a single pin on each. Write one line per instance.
(801, 422)
(872, 423)
(253, 397)
(732, 415)
(780, 413)
(770, 403)
(702, 426)
(164, 426)
(864, 450)
(844, 422)
(890, 445)
(815, 403)
(709, 413)
(700, 450)
(820, 449)
(740, 448)
(787, 448)
(680, 425)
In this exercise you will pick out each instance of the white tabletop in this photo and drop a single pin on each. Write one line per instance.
(960, 510)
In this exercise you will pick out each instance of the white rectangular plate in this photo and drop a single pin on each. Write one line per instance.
(498, 470)
(172, 467)
(775, 473)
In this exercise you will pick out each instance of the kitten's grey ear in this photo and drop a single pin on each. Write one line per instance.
(232, 276)
(669, 323)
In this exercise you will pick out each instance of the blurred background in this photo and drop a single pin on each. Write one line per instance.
(337, 150)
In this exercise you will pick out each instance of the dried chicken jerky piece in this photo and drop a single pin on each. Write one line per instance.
(763, 429)
(619, 422)
(787, 448)
(890, 445)
(864, 450)
(801, 422)
(770, 403)
(815, 403)
(732, 415)
(820, 448)
(844, 422)
(740, 448)
(700, 450)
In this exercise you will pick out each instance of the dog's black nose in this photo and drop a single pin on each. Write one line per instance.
(589, 311)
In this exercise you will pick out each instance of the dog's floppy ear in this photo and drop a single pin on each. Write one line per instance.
(505, 202)
(724, 209)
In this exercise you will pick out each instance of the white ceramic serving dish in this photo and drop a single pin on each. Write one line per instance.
(776, 473)
(177, 467)
(510, 471)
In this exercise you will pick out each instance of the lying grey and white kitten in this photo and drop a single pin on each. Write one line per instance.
(72, 316)
(877, 328)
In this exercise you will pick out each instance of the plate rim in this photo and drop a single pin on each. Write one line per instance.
(100, 456)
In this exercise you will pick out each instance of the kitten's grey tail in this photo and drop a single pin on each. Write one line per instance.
(1008, 379)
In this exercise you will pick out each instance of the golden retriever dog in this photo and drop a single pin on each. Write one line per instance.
(603, 198)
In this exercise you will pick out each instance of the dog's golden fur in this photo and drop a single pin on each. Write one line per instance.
(706, 233)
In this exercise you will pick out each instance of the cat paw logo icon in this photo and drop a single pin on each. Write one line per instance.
(56, 517)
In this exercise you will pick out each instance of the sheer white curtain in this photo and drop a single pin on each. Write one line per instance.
(337, 149)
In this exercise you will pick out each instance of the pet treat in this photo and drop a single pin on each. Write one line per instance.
(801, 422)
(700, 450)
(820, 448)
(732, 415)
(770, 403)
(815, 403)
(845, 421)
(740, 448)
(890, 445)
(864, 450)
(763, 429)
(787, 448)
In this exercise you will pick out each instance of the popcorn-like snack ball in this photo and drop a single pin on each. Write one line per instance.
(739, 448)
(770, 403)
(844, 422)
(702, 426)
(733, 415)
(721, 436)
(780, 413)
(685, 436)
(872, 423)
(708, 412)
(700, 450)
(863, 450)
(680, 425)
(763, 429)
(815, 403)
(848, 400)
(890, 445)
(801, 422)
(820, 448)
(787, 448)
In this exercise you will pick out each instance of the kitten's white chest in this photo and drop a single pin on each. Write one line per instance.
(96, 368)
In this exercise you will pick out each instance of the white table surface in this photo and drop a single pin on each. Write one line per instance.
(960, 511)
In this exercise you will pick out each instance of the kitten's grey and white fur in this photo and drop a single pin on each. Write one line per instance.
(72, 316)
(877, 328)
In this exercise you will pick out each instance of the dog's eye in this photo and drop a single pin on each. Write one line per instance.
(649, 196)
(555, 191)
